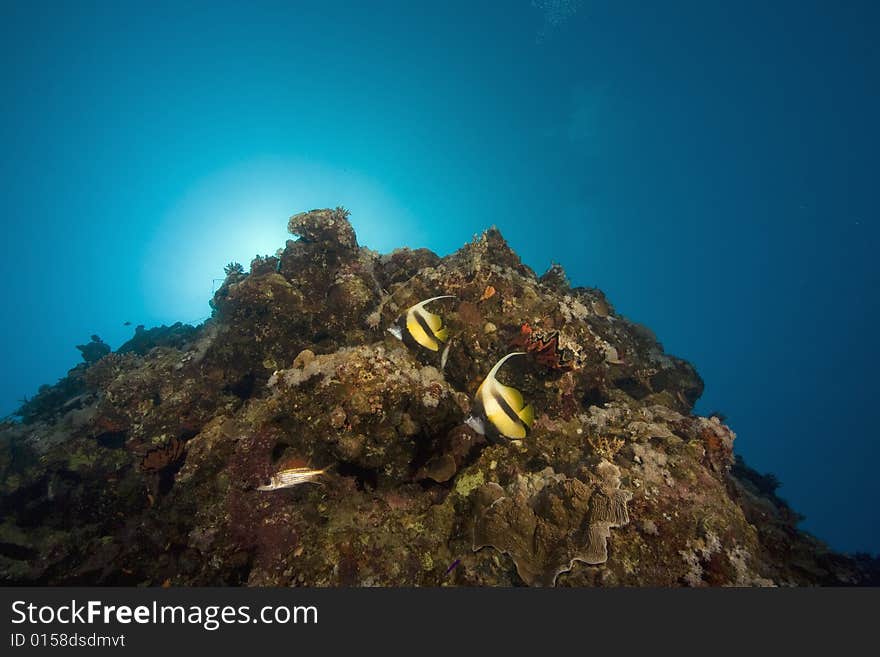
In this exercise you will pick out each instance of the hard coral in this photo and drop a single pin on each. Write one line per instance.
(548, 523)
(144, 466)
(328, 226)
(93, 351)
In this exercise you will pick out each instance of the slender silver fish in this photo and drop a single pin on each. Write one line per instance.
(293, 477)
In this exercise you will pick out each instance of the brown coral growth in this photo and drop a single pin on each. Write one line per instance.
(162, 456)
(547, 522)
(605, 446)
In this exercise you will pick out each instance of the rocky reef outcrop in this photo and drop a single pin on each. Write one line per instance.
(143, 465)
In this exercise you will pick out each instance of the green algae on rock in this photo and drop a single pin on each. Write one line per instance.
(143, 466)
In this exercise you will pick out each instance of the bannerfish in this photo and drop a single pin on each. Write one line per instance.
(502, 406)
(293, 477)
(421, 326)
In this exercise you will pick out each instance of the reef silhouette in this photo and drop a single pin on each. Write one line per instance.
(149, 465)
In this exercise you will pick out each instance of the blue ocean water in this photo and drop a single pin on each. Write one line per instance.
(711, 166)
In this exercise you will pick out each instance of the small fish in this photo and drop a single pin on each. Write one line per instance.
(420, 326)
(452, 567)
(502, 406)
(126, 323)
(293, 477)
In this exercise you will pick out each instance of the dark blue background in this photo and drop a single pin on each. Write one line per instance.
(712, 166)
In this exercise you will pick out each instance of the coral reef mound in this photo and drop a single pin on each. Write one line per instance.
(143, 466)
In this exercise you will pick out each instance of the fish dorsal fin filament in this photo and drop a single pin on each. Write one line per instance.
(422, 304)
(433, 321)
(501, 362)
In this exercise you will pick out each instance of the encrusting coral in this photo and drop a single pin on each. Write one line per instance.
(547, 526)
(150, 465)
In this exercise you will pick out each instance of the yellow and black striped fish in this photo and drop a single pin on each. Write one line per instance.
(420, 326)
(501, 406)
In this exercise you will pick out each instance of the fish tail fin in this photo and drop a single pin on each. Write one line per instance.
(527, 415)
(442, 334)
